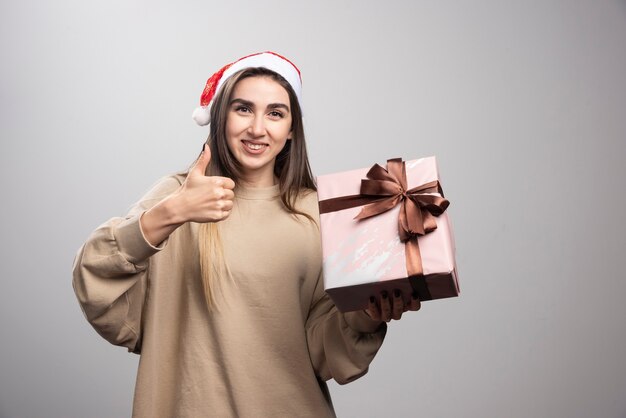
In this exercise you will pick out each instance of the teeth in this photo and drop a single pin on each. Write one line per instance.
(254, 146)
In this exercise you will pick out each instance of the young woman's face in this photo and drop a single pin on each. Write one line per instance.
(258, 126)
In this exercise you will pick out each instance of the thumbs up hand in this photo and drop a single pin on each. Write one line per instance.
(204, 198)
(200, 198)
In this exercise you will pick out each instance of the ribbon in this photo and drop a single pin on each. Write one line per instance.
(383, 190)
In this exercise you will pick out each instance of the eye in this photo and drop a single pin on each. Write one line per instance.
(242, 109)
(275, 114)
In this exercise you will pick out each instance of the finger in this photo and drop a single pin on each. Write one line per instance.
(224, 182)
(398, 305)
(414, 304)
(220, 214)
(228, 194)
(372, 310)
(227, 205)
(202, 162)
(229, 183)
(385, 306)
(222, 196)
(225, 214)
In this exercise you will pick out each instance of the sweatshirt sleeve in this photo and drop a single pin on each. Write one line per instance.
(341, 345)
(111, 272)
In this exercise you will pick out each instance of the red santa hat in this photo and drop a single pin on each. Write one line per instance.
(268, 59)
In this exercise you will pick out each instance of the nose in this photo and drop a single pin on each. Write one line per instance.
(257, 126)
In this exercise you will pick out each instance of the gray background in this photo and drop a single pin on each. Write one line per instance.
(523, 103)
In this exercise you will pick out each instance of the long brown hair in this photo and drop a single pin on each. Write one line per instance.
(291, 168)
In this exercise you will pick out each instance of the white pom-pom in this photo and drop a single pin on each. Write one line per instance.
(201, 115)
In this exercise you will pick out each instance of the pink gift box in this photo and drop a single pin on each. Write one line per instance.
(363, 257)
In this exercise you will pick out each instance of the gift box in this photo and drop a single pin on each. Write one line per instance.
(386, 228)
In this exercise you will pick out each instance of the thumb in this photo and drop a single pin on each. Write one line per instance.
(203, 161)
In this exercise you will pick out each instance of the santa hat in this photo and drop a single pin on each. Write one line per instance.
(268, 59)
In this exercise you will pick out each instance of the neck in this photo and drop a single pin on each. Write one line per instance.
(257, 180)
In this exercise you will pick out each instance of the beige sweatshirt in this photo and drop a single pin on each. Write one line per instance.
(268, 350)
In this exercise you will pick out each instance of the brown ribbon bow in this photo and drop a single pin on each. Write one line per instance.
(389, 188)
(383, 190)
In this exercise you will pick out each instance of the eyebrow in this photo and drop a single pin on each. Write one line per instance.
(251, 105)
(243, 102)
(278, 106)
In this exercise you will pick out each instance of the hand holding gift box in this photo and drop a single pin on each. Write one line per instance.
(386, 229)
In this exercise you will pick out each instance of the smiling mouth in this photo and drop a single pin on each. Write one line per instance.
(254, 145)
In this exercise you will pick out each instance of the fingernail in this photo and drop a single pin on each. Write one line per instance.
(384, 294)
(396, 293)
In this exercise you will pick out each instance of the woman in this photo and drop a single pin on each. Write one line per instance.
(214, 277)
